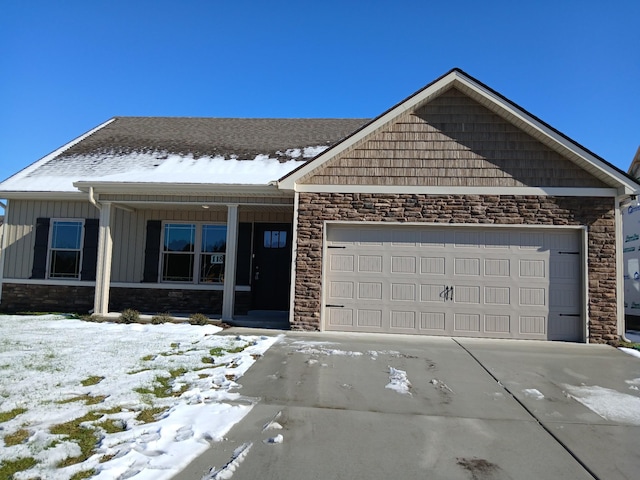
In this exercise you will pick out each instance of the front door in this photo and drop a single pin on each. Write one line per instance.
(271, 266)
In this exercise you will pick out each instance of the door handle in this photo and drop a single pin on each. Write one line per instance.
(447, 293)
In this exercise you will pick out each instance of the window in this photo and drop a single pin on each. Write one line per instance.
(194, 253)
(65, 249)
(275, 239)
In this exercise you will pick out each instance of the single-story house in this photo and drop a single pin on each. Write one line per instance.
(455, 212)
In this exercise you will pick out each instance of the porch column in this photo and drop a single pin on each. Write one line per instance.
(103, 266)
(229, 289)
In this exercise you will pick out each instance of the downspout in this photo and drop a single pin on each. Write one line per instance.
(622, 328)
(3, 246)
(92, 199)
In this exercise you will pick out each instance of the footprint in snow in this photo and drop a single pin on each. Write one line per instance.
(184, 433)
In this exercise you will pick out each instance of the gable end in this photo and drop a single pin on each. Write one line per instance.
(451, 141)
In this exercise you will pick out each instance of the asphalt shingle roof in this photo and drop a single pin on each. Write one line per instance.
(242, 137)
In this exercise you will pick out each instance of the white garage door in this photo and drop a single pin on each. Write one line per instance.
(459, 281)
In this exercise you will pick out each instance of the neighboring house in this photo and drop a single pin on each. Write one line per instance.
(631, 252)
(455, 212)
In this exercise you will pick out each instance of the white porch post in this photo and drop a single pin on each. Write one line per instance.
(228, 293)
(103, 267)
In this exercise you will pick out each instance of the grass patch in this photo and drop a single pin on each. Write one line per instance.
(16, 438)
(112, 426)
(83, 474)
(10, 467)
(635, 346)
(87, 399)
(150, 415)
(93, 380)
(11, 414)
(84, 437)
(163, 386)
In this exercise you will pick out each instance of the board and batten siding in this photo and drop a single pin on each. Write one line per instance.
(128, 230)
(20, 230)
(451, 141)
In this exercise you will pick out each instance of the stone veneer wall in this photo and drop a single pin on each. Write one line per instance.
(79, 299)
(18, 297)
(596, 213)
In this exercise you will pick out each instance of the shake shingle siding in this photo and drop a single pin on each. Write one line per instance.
(453, 141)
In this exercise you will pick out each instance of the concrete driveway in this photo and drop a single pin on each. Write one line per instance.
(358, 406)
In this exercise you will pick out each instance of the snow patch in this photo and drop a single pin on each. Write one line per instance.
(533, 393)
(226, 472)
(630, 351)
(277, 439)
(609, 404)
(398, 381)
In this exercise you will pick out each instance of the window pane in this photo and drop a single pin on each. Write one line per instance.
(212, 268)
(214, 238)
(179, 237)
(64, 264)
(275, 239)
(66, 235)
(177, 267)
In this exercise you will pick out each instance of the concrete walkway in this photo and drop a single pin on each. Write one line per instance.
(475, 409)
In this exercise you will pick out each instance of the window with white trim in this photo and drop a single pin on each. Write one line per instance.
(193, 253)
(65, 248)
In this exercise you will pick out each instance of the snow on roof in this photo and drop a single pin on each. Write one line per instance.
(183, 150)
(158, 167)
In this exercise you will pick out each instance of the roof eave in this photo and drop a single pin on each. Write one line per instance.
(147, 188)
(41, 195)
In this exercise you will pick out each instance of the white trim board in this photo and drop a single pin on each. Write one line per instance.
(427, 190)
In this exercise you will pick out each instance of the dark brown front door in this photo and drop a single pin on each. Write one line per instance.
(271, 266)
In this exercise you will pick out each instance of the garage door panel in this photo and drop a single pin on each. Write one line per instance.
(370, 290)
(533, 325)
(369, 319)
(432, 293)
(497, 267)
(497, 324)
(404, 264)
(466, 323)
(432, 266)
(370, 263)
(432, 322)
(446, 281)
(341, 263)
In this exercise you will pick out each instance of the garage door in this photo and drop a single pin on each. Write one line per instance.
(459, 281)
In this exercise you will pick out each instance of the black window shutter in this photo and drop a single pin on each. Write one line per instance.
(243, 255)
(90, 249)
(40, 248)
(152, 251)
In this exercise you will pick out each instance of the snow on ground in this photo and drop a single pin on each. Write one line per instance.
(533, 393)
(634, 337)
(609, 404)
(57, 370)
(398, 381)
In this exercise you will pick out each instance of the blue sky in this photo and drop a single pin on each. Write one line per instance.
(66, 67)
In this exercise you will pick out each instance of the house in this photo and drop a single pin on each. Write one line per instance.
(631, 252)
(455, 212)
